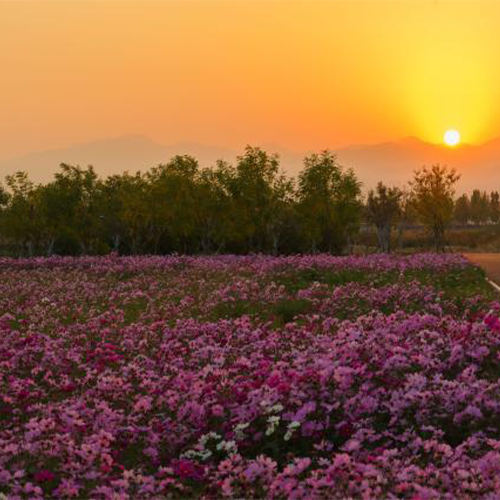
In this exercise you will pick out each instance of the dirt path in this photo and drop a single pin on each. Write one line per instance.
(490, 262)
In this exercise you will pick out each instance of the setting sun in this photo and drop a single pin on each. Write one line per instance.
(451, 137)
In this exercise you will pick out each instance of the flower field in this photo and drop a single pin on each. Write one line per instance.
(275, 377)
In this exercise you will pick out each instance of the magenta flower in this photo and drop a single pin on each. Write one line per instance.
(152, 377)
(44, 475)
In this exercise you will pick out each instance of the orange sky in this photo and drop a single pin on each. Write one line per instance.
(302, 74)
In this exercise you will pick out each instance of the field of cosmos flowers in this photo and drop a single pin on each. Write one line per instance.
(276, 377)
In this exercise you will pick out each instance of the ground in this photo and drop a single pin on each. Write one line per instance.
(490, 262)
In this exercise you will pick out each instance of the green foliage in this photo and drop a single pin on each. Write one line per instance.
(461, 211)
(177, 206)
(19, 216)
(287, 310)
(432, 198)
(328, 202)
(172, 202)
(250, 206)
(482, 208)
(383, 209)
(494, 207)
(479, 207)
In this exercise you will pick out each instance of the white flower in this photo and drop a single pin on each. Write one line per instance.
(273, 423)
(238, 430)
(211, 435)
(228, 446)
(292, 426)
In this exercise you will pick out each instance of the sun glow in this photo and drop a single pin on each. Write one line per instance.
(452, 137)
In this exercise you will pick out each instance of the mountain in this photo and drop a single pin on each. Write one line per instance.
(110, 156)
(395, 162)
(390, 162)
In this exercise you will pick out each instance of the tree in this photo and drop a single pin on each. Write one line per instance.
(406, 215)
(20, 224)
(462, 211)
(383, 209)
(77, 188)
(4, 197)
(282, 212)
(117, 204)
(257, 188)
(173, 202)
(495, 207)
(133, 195)
(485, 211)
(57, 217)
(432, 197)
(475, 206)
(251, 206)
(479, 207)
(329, 202)
(214, 207)
(4, 203)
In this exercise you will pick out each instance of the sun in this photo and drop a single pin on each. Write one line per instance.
(451, 137)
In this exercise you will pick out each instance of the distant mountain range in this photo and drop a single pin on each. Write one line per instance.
(391, 162)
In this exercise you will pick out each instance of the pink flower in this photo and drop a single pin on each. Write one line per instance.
(218, 410)
(188, 470)
(44, 475)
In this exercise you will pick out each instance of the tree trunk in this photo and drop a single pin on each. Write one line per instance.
(384, 237)
(401, 230)
(29, 246)
(116, 243)
(50, 247)
(439, 237)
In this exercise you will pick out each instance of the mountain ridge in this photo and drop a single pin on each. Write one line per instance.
(392, 162)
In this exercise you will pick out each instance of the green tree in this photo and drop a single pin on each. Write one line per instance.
(406, 215)
(4, 197)
(57, 218)
(257, 188)
(66, 211)
(480, 207)
(215, 206)
(383, 210)
(495, 207)
(113, 197)
(4, 203)
(282, 214)
(20, 223)
(462, 210)
(485, 208)
(329, 202)
(173, 202)
(133, 195)
(475, 206)
(432, 196)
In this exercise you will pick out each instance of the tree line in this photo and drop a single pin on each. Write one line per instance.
(246, 207)
(481, 208)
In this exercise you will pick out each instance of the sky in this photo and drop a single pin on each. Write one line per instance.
(302, 74)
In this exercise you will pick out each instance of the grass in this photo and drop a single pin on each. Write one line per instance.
(460, 284)
(457, 287)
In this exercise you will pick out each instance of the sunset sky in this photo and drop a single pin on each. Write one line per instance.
(301, 74)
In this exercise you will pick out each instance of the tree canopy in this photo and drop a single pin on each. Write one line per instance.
(433, 191)
(249, 206)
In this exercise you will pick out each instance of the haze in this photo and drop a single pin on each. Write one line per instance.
(305, 75)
